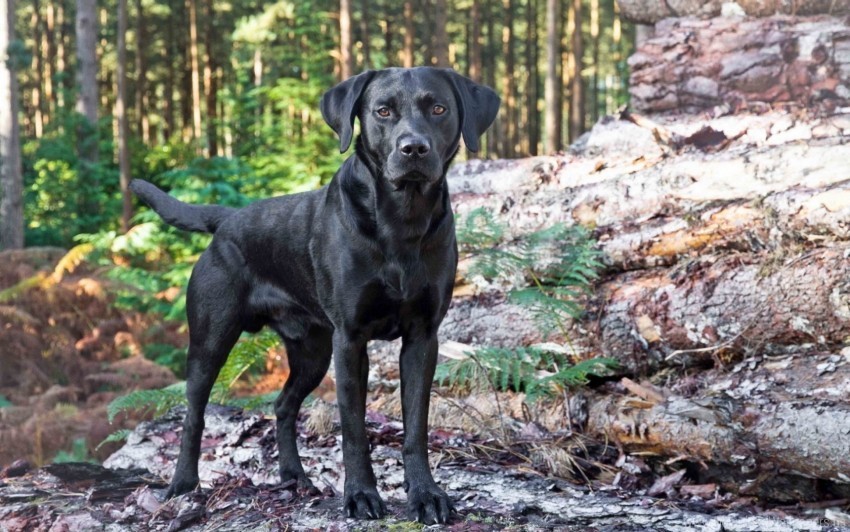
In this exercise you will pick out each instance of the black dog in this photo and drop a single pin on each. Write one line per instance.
(371, 255)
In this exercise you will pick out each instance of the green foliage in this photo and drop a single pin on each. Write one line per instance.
(79, 452)
(559, 263)
(153, 402)
(4, 402)
(248, 354)
(537, 372)
(117, 436)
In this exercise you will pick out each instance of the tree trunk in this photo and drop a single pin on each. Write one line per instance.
(191, 6)
(11, 178)
(170, 55)
(346, 59)
(475, 41)
(87, 97)
(494, 137)
(553, 87)
(577, 104)
(723, 69)
(440, 39)
(509, 113)
(365, 34)
(121, 116)
(38, 78)
(531, 84)
(210, 80)
(48, 47)
(142, 100)
(594, 42)
(62, 63)
(764, 430)
(407, 52)
(389, 28)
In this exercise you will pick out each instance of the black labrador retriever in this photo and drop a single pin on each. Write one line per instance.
(371, 255)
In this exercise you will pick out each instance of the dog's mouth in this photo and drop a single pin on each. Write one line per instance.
(413, 177)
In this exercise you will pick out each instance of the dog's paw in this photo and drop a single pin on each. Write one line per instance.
(363, 503)
(429, 504)
(180, 486)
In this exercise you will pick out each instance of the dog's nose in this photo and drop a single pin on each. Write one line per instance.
(414, 147)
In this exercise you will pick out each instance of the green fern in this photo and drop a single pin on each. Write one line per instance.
(559, 263)
(156, 402)
(249, 353)
(117, 436)
(520, 370)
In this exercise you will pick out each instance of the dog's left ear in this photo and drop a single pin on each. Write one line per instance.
(342, 103)
(478, 108)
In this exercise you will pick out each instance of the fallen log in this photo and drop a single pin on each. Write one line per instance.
(752, 430)
(730, 306)
(699, 64)
(652, 11)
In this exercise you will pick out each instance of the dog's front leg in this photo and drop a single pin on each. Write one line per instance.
(426, 502)
(351, 363)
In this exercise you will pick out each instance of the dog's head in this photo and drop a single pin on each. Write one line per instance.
(411, 119)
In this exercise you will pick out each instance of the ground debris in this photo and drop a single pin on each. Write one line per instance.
(240, 491)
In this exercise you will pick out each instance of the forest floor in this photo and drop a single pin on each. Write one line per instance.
(724, 299)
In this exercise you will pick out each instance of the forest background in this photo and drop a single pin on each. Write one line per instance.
(218, 100)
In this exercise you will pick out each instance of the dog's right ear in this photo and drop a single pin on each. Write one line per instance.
(342, 103)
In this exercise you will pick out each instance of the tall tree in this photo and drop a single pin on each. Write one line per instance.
(142, 100)
(210, 79)
(191, 6)
(49, 49)
(11, 179)
(508, 86)
(475, 41)
(531, 80)
(35, 93)
(407, 53)
(552, 90)
(576, 82)
(121, 117)
(346, 58)
(87, 95)
(365, 34)
(594, 42)
(440, 40)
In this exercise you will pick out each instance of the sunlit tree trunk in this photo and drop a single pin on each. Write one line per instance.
(440, 42)
(531, 91)
(191, 6)
(346, 58)
(388, 29)
(11, 180)
(62, 62)
(407, 54)
(594, 38)
(142, 100)
(87, 95)
(365, 34)
(49, 49)
(552, 90)
(35, 94)
(121, 116)
(475, 41)
(509, 88)
(170, 55)
(577, 84)
(210, 81)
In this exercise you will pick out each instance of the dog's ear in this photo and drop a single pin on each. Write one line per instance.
(478, 108)
(342, 103)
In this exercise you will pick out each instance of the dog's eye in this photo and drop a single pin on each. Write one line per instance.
(438, 110)
(384, 112)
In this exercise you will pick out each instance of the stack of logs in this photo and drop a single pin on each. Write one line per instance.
(727, 239)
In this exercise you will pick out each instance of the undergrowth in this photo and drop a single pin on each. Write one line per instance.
(555, 269)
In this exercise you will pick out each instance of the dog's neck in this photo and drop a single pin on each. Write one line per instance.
(401, 221)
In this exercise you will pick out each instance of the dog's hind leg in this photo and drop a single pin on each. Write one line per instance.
(309, 358)
(214, 327)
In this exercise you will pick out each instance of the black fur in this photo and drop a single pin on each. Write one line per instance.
(371, 255)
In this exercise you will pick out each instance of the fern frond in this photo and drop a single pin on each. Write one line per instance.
(156, 402)
(117, 436)
(248, 353)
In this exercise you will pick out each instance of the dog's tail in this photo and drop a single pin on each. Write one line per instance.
(198, 218)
